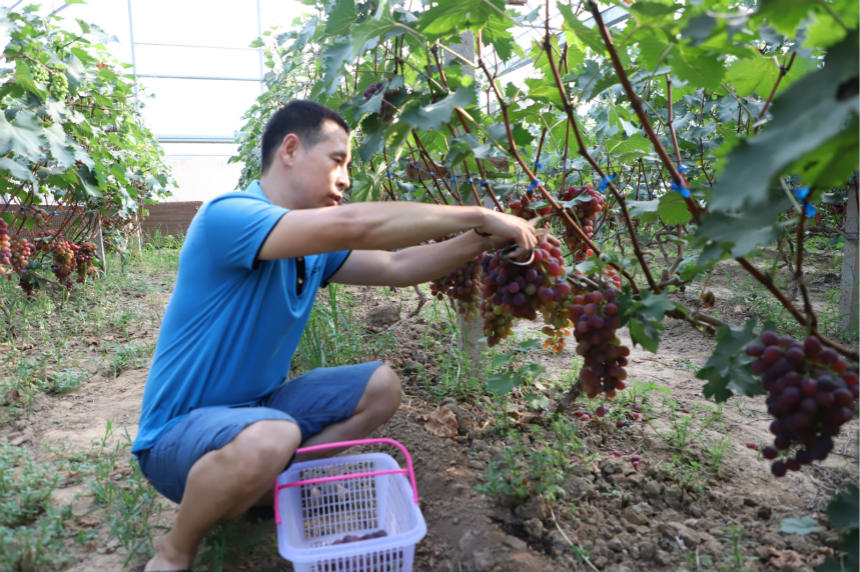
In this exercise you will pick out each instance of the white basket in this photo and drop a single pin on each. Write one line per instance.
(318, 503)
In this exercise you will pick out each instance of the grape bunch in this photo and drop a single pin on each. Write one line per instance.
(40, 74)
(64, 263)
(586, 213)
(595, 319)
(59, 85)
(21, 251)
(511, 290)
(5, 246)
(84, 260)
(462, 285)
(373, 89)
(386, 110)
(521, 207)
(811, 393)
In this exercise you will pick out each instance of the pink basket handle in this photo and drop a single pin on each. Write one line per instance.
(410, 469)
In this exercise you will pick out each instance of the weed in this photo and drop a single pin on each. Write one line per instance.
(122, 357)
(31, 532)
(130, 501)
(538, 468)
(64, 381)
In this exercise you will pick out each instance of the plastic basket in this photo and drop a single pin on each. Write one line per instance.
(323, 507)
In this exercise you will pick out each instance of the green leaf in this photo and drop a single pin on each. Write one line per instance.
(588, 36)
(21, 136)
(450, 16)
(15, 169)
(433, 116)
(800, 526)
(673, 208)
(334, 56)
(639, 208)
(699, 28)
(700, 67)
(741, 232)
(842, 510)
(785, 15)
(727, 369)
(814, 110)
(502, 383)
(340, 18)
(847, 561)
(644, 317)
(756, 74)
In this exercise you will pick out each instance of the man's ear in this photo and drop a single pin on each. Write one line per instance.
(290, 145)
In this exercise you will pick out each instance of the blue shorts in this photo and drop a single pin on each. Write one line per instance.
(314, 401)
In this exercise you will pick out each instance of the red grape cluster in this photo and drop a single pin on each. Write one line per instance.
(84, 260)
(5, 246)
(811, 393)
(463, 286)
(510, 290)
(586, 213)
(21, 251)
(386, 110)
(64, 263)
(595, 319)
(521, 207)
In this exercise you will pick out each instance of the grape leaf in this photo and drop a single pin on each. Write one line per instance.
(800, 526)
(589, 37)
(728, 367)
(340, 18)
(741, 232)
(502, 382)
(842, 510)
(644, 317)
(814, 110)
(756, 74)
(697, 66)
(21, 136)
(673, 209)
(432, 116)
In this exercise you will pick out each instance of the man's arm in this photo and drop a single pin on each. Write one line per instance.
(387, 226)
(412, 265)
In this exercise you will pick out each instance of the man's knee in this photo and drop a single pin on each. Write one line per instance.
(265, 446)
(383, 390)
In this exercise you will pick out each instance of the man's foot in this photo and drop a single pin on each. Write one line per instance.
(167, 558)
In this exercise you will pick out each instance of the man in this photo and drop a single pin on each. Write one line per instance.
(218, 423)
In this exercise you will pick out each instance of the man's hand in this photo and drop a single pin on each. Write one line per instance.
(505, 229)
(521, 251)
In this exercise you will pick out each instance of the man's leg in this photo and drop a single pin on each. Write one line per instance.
(378, 403)
(223, 484)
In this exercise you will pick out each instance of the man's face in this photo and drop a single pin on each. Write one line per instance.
(320, 173)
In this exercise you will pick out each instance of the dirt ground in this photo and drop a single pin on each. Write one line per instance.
(612, 516)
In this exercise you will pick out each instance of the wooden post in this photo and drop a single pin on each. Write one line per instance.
(848, 291)
(100, 248)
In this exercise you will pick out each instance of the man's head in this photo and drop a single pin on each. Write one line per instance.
(304, 118)
(306, 156)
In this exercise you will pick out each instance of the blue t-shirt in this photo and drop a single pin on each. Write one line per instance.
(233, 322)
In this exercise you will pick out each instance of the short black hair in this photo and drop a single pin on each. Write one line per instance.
(303, 117)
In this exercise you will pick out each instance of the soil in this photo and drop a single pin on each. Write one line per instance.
(611, 516)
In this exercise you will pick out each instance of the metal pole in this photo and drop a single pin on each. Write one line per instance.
(131, 39)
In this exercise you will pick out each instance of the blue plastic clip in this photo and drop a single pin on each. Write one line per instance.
(537, 166)
(802, 193)
(484, 182)
(809, 210)
(683, 169)
(604, 182)
(533, 185)
(469, 180)
(432, 174)
(685, 192)
(53, 213)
